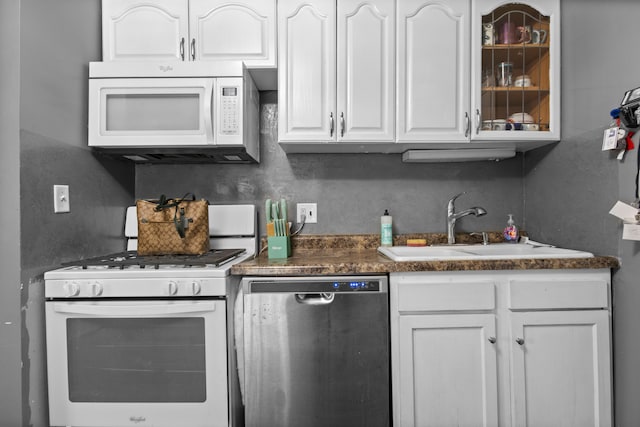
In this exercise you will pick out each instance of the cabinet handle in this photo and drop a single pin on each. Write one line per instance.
(468, 126)
(492, 340)
(477, 121)
(193, 49)
(182, 48)
(341, 124)
(520, 341)
(331, 125)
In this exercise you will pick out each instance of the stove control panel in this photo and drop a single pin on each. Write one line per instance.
(136, 288)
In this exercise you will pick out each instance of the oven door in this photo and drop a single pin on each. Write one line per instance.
(137, 363)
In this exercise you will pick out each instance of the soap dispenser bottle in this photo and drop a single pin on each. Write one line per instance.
(386, 233)
(511, 233)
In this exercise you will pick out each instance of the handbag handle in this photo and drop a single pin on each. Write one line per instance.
(180, 223)
(164, 203)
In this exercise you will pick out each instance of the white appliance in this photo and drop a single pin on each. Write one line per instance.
(148, 341)
(158, 112)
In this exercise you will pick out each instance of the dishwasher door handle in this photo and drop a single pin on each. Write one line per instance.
(323, 298)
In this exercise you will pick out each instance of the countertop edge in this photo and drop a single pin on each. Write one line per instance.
(368, 261)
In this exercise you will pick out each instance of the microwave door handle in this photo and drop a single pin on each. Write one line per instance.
(209, 101)
(135, 310)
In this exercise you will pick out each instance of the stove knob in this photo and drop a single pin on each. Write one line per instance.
(195, 287)
(173, 288)
(71, 289)
(96, 289)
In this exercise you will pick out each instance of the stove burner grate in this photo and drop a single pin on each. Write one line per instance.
(121, 260)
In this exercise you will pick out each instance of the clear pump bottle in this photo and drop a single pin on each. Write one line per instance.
(511, 233)
(386, 229)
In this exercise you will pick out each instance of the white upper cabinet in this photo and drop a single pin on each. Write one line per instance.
(142, 30)
(234, 31)
(190, 30)
(434, 72)
(336, 72)
(306, 70)
(478, 71)
(516, 71)
(365, 60)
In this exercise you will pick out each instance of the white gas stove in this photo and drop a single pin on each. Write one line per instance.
(147, 341)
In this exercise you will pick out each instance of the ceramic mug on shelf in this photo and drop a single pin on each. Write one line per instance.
(538, 36)
(488, 34)
(498, 124)
(523, 33)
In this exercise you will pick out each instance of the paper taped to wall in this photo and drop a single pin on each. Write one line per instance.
(631, 232)
(624, 211)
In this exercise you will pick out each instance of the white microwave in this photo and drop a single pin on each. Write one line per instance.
(174, 112)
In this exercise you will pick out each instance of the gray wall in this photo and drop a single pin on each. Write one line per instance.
(10, 321)
(570, 189)
(352, 190)
(58, 39)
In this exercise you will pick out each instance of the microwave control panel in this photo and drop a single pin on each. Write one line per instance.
(230, 113)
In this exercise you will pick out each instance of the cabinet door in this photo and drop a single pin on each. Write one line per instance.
(516, 70)
(561, 368)
(447, 371)
(433, 70)
(142, 30)
(307, 70)
(366, 63)
(233, 31)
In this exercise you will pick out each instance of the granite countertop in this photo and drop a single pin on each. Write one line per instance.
(357, 254)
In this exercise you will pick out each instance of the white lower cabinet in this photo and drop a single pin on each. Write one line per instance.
(498, 348)
(448, 362)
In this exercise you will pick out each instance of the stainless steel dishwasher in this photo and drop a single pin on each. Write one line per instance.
(316, 351)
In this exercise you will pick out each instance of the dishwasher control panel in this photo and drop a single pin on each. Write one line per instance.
(316, 284)
(356, 285)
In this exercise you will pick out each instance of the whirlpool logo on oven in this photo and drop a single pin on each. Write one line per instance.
(137, 419)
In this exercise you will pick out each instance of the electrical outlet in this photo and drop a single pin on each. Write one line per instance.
(61, 199)
(309, 211)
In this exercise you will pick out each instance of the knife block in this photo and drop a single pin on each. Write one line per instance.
(279, 247)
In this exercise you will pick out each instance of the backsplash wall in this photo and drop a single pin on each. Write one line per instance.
(352, 190)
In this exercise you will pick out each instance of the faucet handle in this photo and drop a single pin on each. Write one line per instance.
(485, 237)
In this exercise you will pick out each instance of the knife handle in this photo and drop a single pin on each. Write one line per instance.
(283, 210)
(267, 211)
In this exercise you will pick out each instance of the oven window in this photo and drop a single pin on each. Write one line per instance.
(136, 359)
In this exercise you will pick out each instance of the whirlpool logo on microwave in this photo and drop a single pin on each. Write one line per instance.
(137, 419)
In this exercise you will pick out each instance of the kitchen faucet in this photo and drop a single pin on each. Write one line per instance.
(452, 217)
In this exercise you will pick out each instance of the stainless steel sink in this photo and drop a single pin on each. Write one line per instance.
(478, 252)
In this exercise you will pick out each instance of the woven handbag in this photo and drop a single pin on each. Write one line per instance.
(173, 226)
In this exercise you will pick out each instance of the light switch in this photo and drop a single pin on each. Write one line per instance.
(61, 199)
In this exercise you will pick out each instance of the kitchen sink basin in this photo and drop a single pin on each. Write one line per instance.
(478, 252)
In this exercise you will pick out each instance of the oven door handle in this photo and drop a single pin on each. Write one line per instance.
(133, 310)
